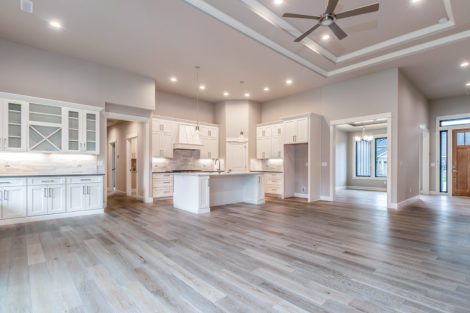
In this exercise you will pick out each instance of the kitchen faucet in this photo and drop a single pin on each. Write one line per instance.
(215, 164)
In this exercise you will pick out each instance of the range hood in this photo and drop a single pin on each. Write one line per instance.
(188, 138)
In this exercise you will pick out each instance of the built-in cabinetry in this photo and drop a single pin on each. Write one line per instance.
(270, 141)
(13, 125)
(162, 185)
(12, 197)
(274, 183)
(39, 125)
(296, 130)
(25, 199)
(166, 133)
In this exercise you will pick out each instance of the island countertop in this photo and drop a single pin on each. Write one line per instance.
(215, 173)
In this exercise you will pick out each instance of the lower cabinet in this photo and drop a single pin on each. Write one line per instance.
(274, 183)
(46, 196)
(84, 193)
(12, 198)
(162, 185)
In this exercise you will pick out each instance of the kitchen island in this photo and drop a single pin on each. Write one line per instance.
(198, 192)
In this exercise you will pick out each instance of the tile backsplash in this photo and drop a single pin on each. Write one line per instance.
(38, 164)
(271, 165)
(183, 160)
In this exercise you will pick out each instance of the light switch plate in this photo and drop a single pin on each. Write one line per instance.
(324, 164)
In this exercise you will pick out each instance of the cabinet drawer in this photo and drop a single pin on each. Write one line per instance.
(84, 179)
(162, 192)
(162, 176)
(33, 181)
(163, 183)
(6, 182)
(273, 189)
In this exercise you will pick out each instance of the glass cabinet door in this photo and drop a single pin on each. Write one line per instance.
(14, 132)
(91, 130)
(73, 131)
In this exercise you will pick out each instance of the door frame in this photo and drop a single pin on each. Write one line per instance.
(109, 179)
(129, 139)
(146, 148)
(391, 176)
(450, 154)
(455, 147)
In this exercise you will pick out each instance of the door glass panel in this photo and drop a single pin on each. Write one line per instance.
(91, 131)
(467, 139)
(73, 121)
(443, 161)
(460, 139)
(14, 125)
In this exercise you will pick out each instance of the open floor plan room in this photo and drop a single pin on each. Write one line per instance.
(235, 156)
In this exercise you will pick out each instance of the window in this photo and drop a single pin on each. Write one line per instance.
(363, 158)
(443, 162)
(380, 157)
(455, 122)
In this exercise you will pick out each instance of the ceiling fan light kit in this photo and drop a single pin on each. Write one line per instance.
(328, 19)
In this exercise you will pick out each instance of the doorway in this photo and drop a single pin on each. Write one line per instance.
(461, 162)
(112, 168)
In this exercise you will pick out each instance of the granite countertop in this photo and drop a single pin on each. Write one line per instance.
(215, 173)
(48, 175)
(281, 172)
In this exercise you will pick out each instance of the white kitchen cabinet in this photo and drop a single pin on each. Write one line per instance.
(296, 131)
(13, 120)
(163, 138)
(46, 195)
(274, 183)
(13, 201)
(277, 148)
(263, 148)
(237, 156)
(81, 131)
(210, 142)
(162, 184)
(84, 193)
(45, 128)
(269, 141)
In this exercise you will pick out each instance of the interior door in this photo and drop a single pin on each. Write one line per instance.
(461, 163)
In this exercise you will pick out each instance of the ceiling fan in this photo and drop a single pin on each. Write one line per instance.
(329, 18)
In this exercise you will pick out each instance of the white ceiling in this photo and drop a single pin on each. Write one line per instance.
(165, 38)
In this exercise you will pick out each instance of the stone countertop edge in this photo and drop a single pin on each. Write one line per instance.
(217, 174)
(48, 175)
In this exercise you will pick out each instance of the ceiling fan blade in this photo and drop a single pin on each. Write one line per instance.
(331, 6)
(293, 15)
(338, 31)
(367, 9)
(308, 32)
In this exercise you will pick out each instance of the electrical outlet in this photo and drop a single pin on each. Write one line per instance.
(304, 189)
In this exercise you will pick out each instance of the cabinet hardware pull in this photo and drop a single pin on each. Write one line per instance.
(85, 179)
(5, 182)
(50, 192)
(5, 195)
(45, 192)
(84, 192)
(47, 181)
(88, 190)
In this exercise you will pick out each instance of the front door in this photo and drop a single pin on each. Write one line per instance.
(461, 163)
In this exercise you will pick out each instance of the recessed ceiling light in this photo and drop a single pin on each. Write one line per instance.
(202, 87)
(467, 84)
(55, 24)
(266, 88)
(464, 64)
(289, 82)
(247, 94)
(174, 79)
(278, 2)
(415, 1)
(226, 94)
(325, 37)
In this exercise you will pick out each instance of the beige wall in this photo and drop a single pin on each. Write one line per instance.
(168, 104)
(38, 73)
(367, 95)
(442, 107)
(412, 115)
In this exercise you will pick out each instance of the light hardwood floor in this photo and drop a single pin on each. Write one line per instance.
(286, 256)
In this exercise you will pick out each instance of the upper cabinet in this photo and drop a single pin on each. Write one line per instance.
(13, 125)
(269, 141)
(210, 142)
(48, 126)
(164, 134)
(296, 131)
(81, 131)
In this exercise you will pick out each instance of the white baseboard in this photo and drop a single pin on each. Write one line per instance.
(341, 187)
(29, 219)
(366, 188)
(301, 195)
(326, 198)
(405, 203)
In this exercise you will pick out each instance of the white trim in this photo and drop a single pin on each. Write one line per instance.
(29, 219)
(301, 195)
(326, 198)
(405, 203)
(129, 139)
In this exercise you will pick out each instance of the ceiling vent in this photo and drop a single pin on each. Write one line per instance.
(26, 6)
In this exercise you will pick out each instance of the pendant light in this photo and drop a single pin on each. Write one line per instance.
(364, 137)
(197, 98)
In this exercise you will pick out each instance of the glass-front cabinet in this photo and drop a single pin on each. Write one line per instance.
(45, 128)
(81, 128)
(13, 125)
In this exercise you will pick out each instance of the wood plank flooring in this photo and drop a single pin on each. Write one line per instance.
(353, 255)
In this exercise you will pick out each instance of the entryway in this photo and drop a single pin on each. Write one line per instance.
(461, 162)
